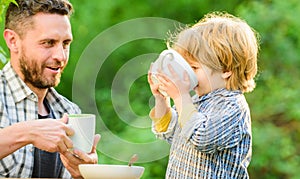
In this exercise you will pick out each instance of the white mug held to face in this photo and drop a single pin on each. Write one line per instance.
(178, 63)
(84, 131)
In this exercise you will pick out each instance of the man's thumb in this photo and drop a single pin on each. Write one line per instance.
(65, 118)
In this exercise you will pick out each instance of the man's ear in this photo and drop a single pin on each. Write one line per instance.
(226, 74)
(11, 39)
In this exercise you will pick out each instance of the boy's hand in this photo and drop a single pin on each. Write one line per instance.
(162, 103)
(174, 86)
(155, 85)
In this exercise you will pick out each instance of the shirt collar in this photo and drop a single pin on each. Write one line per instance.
(21, 91)
(218, 92)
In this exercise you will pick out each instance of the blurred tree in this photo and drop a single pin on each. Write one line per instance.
(274, 103)
(3, 5)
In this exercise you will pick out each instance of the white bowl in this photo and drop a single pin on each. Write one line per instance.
(178, 63)
(103, 171)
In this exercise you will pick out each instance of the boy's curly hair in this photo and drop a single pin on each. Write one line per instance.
(223, 43)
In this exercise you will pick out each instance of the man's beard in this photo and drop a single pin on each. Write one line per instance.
(33, 74)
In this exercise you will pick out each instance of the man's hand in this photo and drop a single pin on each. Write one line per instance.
(50, 135)
(71, 159)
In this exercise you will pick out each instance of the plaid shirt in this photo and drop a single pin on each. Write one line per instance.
(215, 143)
(18, 103)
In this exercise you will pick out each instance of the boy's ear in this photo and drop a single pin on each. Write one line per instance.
(226, 74)
(11, 37)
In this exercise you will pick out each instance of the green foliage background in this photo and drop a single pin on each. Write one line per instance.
(274, 103)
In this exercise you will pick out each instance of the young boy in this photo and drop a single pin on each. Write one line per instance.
(209, 133)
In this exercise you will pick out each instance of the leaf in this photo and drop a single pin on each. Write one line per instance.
(3, 58)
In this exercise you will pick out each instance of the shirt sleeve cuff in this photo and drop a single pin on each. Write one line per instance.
(161, 124)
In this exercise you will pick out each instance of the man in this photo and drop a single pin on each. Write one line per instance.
(34, 136)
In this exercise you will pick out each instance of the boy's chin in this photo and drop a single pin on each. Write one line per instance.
(196, 89)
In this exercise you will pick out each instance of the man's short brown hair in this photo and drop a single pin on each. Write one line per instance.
(18, 17)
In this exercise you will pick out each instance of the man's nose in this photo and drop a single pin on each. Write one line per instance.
(60, 53)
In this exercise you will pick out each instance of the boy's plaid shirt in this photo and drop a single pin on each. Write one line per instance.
(215, 143)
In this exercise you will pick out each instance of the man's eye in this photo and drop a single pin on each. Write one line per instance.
(48, 43)
(66, 44)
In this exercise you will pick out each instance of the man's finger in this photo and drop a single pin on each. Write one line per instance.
(96, 140)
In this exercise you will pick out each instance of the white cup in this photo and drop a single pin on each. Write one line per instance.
(84, 128)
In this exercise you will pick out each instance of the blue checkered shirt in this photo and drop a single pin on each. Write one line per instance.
(18, 103)
(215, 143)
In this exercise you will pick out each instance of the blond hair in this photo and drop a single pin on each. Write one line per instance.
(223, 43)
